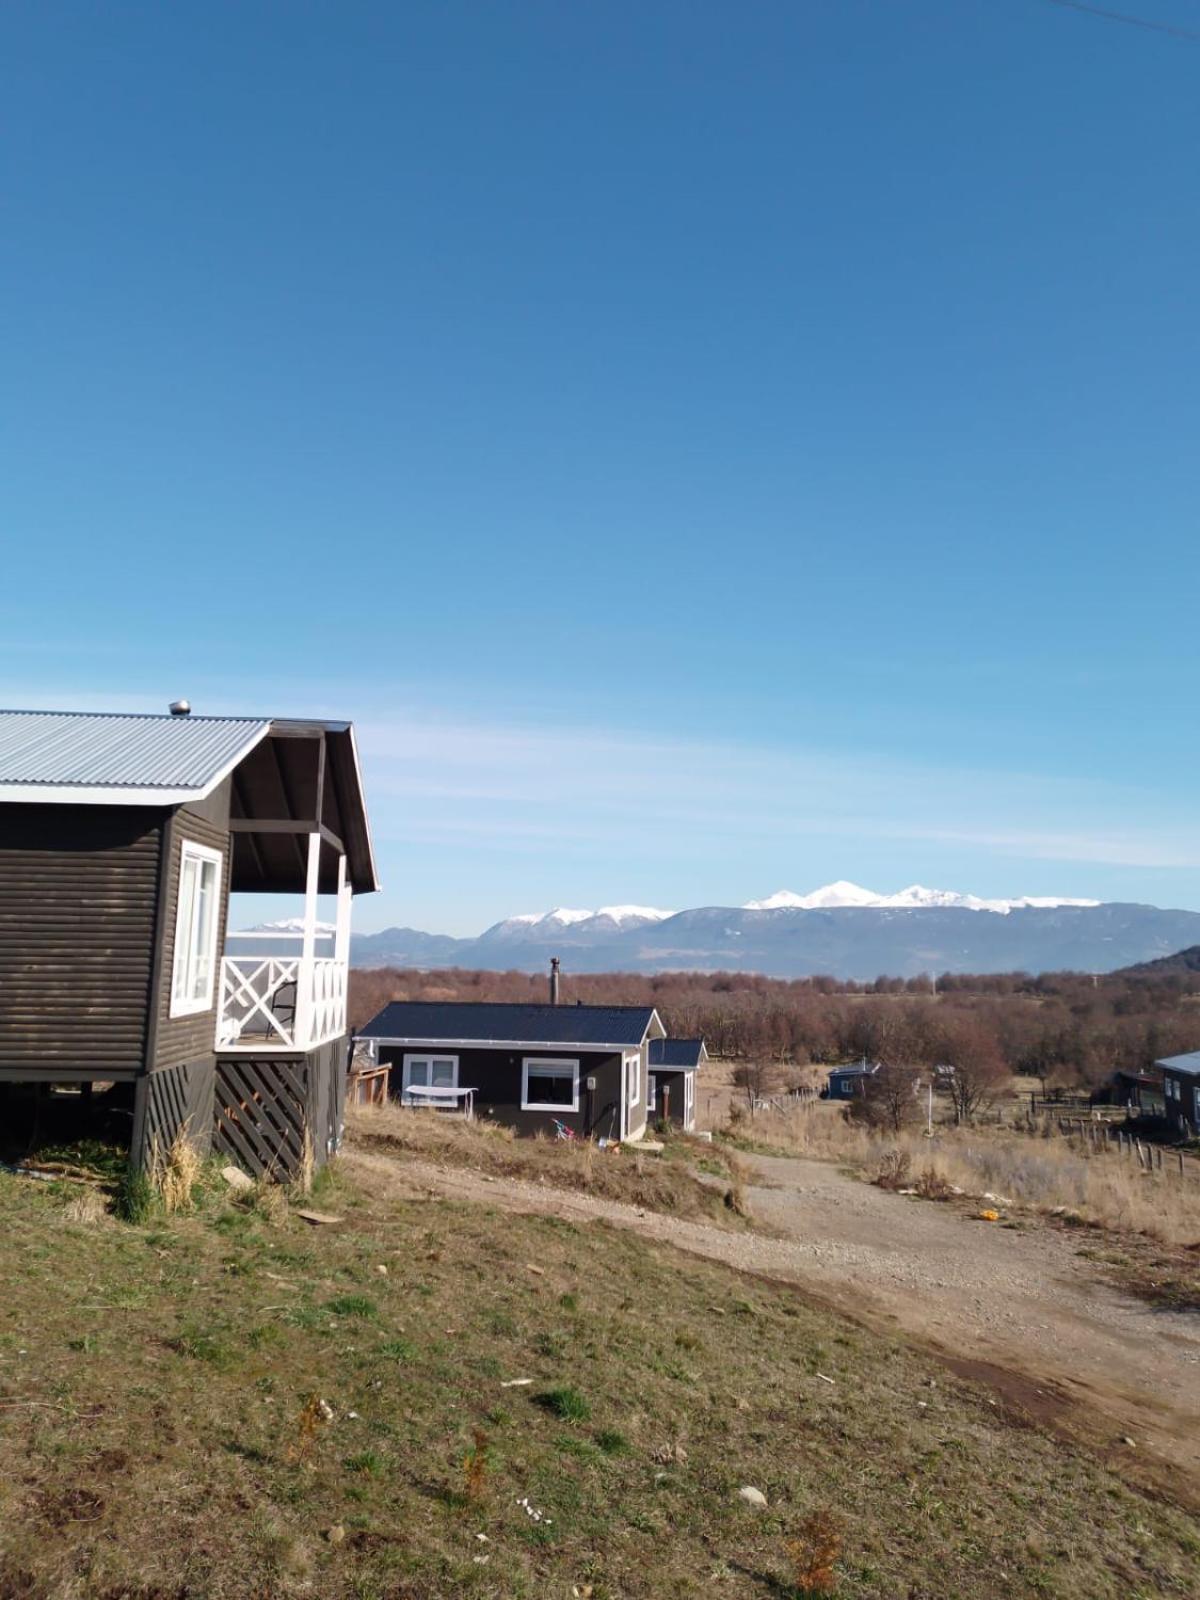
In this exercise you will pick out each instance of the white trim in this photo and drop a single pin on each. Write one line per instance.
(191, 1005)
(430, 1056)
(635, 1099)
(552, 1062)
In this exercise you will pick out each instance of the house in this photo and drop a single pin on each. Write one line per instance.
(845, 1083)
(1181, 1092)
(674, 1065)
(533, 1067)
(121, 840)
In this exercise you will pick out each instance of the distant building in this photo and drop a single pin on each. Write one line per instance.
(674, 1067)
(1181, 1092)
(846, 1083)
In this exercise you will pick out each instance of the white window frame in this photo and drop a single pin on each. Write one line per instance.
(689, 1100)
(633, 1086)
(183, 1003)
(652, 1093)
(559, 1064)
(412, 1056)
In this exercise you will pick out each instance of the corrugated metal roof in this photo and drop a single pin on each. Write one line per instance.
(1189, 1063)
(679, 1054)
(485, 1023)
(54, 749)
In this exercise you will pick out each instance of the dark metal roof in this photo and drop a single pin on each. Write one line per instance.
(51, 750)
(676, 1054)
(483, 1023)
(1188, 1064)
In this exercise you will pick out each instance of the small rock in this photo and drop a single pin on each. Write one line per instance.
(381, 1270)
(318, 1218)
(236, 1178)
(751, 1495)
(1128, 1442)
(336, 1534)
(325, 1410)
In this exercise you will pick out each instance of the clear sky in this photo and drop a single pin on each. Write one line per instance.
(706, 447)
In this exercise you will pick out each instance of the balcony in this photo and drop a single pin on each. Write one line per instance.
(271, 1001)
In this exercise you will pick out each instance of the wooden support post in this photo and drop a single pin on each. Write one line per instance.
(309, 946)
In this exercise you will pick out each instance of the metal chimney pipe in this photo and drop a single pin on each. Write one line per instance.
(180, 708)
(553, 980)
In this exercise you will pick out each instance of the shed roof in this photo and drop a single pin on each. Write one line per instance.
(485, 1023)
(1188, 1064)
(678, 1055)
(70, 755)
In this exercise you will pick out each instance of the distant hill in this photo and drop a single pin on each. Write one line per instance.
(851, 941)
(1182, 961)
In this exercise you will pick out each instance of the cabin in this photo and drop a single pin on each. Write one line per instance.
(1181, 1092)
(1141, 1093)
(848, 1083)
(674, 1067)
(122, 840)
(560, 1070)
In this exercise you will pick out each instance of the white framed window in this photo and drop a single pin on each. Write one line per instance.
(549, 1083)
(689, 1099)
(428, 1071)
(652, 1092)
(197, 918)
(633, 1081)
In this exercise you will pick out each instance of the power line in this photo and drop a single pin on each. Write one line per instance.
(1132, 22)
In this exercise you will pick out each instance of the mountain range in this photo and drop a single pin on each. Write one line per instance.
(841, 930)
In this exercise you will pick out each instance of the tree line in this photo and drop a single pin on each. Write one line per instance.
(1066, 1028)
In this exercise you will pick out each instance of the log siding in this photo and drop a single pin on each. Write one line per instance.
(78, 894)
(180, 1041)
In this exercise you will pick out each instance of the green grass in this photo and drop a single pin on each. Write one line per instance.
(162, 1435)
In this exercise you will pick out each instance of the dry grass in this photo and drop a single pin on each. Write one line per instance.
(689, 1179)
(1043, 1173)
(176, 1172)
(206, 1407)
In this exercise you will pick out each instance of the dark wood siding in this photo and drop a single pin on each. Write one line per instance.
(496, 1076)
(179, 1041)
(78, 891)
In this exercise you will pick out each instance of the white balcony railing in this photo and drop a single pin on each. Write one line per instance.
(280, 1003)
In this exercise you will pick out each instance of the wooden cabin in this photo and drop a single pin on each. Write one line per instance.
(674, 1068)
(122, 839)
(537, 1068)
(1181, 1092)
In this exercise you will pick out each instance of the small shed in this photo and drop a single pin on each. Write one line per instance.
(674, 1066)
(1181, 1092)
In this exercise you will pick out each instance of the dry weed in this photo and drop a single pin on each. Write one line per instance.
(814, 1553)
(176, 1173)
(475, 1468)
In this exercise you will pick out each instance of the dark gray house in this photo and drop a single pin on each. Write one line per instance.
(121, 840)
(674, 1067)
(846, 1083)
(1181, 1092)
(529, 1066)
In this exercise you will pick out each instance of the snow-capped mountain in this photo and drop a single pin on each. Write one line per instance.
(284, 925)
(608, 919)
(841, 894)
(841, 929)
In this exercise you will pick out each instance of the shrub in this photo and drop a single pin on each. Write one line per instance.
(136, 1199)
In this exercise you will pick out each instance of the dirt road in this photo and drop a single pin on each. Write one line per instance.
(1021, 1310)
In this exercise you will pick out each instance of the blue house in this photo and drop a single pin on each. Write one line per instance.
(1181, 1092)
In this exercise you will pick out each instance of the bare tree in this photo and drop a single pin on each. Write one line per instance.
(758, 1078)
(889, 1097)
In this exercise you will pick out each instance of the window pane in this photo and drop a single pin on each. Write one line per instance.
(186, 925)
(206, 930)
(551, 1086)
(418, 1072)
(443, 1072)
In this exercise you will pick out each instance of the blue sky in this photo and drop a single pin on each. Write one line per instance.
(706, 448)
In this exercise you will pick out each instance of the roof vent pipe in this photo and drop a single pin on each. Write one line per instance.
(553, 980)
(180, 708)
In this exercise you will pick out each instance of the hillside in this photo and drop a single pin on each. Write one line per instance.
(1183, 961)
(231, 1404)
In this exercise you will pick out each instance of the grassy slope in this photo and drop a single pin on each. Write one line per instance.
(152, 1382)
